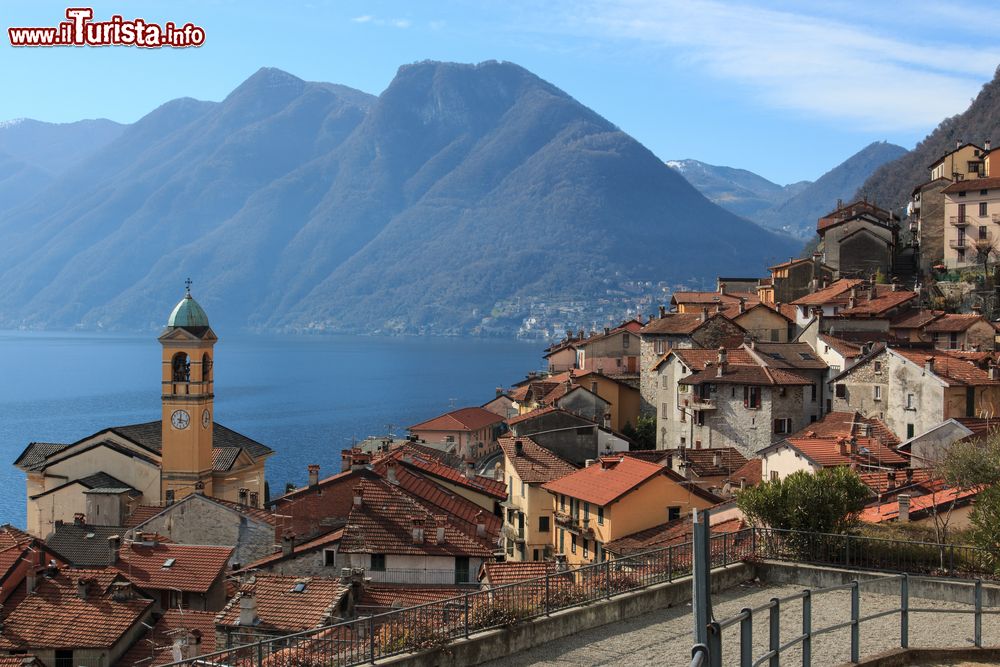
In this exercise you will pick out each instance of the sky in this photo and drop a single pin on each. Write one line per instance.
(785, 89)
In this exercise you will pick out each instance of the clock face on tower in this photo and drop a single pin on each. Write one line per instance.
(180, 419)
(206, 419)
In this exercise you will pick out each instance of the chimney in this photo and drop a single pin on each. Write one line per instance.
(287, 543)
(345, 460)
(904, 507)
(743, 483)
(842, 443)
(390, 471)
(499, 390)
(580, 334)
(518, 448)
(895, 284)
(723, 361)
(890, 480)
(78, 519)
(254, 499)
(440, 522)
(589, 462)
(359, 459)
(853, 445)
(663, 312)
(607, 330)
(248, 609)
(718, 307)
(704, 313)
(417, 529)
(743, 305)
(470, 469)
(359, 493)
(607, 420)
(81, 588)
(722, 288)
(114, 547)
(716, 459)
(852, 300)
(977, 309)
(994, 372)
(30, 580)
(313, 474)
(986, 145)
(909, 476)
(958, 143)
(481, 524)
(929, 364)
(121, 591)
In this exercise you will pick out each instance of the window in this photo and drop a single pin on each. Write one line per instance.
(697, 444)
(330, 557)
(983, 209)
(562, 541)
(961, 194)
(699, 418)
(982, 232)
(878, 366)
(543, 525)
(775, 335)
(815, 393)
(562, 502)
(774, 475)
(572, 542)
(625, 341)
(878, 392)
(600, 515)
(664, 409)
(840, 391)
(534, 554)
(665, 385)
(378, 562)
(510, 486)
(522, 488)
(586, 548)
(961, 255)
(64, 658)
(586, 510)
(751, 397)
(783, 425)
(972, 166)
(673, 512)
(660, 346)
(984, 193)
(909, 402)
(449, 438)
(909, 431)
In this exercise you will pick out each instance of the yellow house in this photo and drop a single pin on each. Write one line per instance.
(528, 519)
(963, 163)
(614, 497)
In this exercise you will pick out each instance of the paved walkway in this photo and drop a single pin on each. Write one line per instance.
(663, 638)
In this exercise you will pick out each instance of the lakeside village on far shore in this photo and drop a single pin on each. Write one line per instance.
(155, 542)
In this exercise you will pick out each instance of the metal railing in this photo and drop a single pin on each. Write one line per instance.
(804, 640)
(435, 624)
(422, 576)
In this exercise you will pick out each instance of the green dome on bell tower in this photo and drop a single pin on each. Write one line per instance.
(188, 313)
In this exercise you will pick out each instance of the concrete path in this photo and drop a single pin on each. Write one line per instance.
(663, 638)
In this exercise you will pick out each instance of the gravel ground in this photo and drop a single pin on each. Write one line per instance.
(664, 637)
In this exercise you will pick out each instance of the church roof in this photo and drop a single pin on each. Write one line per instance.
(189, 314)
(149, 435)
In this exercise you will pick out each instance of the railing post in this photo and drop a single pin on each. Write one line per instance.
(466, 596)
(670, 563)
(547, 606)
(774, 633)
(260, 653)
(951, 560)
(904, 612)
(607, 579)
(807, 628)
(847, 551)
(371, 638)
(855, 624)
(714, 645)
(753, 540)
(746, 638)
(979, 613)
(725, 549)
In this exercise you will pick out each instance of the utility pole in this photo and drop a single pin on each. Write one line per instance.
(701, 579)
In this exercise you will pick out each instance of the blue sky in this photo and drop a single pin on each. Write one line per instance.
(785, 89)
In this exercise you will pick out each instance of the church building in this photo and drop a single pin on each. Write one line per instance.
(101, 478)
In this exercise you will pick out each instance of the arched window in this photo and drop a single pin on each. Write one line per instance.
(181, 367)
(206, 367)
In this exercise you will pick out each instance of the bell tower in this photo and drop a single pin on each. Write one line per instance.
(188, 345)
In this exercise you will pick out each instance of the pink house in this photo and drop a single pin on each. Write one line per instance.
(466, 432)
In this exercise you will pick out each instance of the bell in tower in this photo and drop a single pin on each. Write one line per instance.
(188, 345)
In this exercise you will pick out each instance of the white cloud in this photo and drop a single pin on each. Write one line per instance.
(816, 64)
(374, 20)
(366, 18)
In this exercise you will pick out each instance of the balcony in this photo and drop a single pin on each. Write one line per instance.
(699, 403)
(995, 217)
(423, 576)
(958, 244)
(578, 524)
(958, 220)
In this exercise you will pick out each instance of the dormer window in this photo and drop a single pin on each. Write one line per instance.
(169, 563)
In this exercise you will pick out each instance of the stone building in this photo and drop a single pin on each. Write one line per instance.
(858, 239)
(794, 279)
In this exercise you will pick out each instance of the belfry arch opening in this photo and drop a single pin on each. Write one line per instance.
(206, 368)
(181, 367)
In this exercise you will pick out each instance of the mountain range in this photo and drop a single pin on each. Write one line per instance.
(792, 209)
(299, 205)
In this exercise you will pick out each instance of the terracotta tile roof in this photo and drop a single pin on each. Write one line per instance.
(918, 506)
(879, 481)
(141, 514)
(438, 455)
(463, 419)
(747, 374)
(844, 348)
(676, 324)
(155, 648)
(980, 427)
(384, 522)
(20, 660)
(535, 464)
(836, 292)
(519, 394)
(11, 536)
(703, 461)
(658, 456)
(853, 210)
(788, 355)
(195, 567)
(314, 510)
(914, 319)
(752, 471)
(280, 607)
(609, 479)
(632, 326)
(711, 298)
(700, 358)
(386, 597)
(790, 263)
(972, 184)
(428, 466)
(849, 424)
(678, 531)
(826, 452)
(956, 372)
(531, 414)
(323, 541)
(511, 572)
(882, 300)
(954, 322)
(55, 617)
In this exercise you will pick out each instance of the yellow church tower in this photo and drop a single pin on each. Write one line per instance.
(188, 345)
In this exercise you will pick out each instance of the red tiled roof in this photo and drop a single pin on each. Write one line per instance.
(463, 419)
(511, 572)
(632, 326)
(428, 466)
(844, 348)
(383, 524)
(890, 511)
(836, 292)
(608, 480)
(142, 514)
(853, 210)
(11, 536)
(799, 356)
(882, 300)
(55, 617)
(703, 461)
(752, 472)
(972, 184)
(954, 322)
(878, 482)
(825, 452)
(280, 607)
(678, 531)
(155, 648)
(676, 324)
(955, 372)
(747, 374)
(914, 319)
(980, 427)
(849, 424)
(331, 538)
(385, 597)
(535, 465)
(195, 567)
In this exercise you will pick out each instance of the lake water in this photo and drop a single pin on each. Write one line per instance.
(306, 397)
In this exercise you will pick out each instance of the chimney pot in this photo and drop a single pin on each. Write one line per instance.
(663, 312)
(704, 313)
(929, 364)
(716, 459)
(481, 524)
(114, 546)
(81, 588)
(248, 609)
(313, 474)
(359, 493)
(418, 530)
(78, 519)
(904, 507)
(287, 544)
(390, 471)
(518, 448)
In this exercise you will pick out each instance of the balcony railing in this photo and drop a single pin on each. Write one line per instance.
(958, 244)
(958, 220)
(396, 575)
(699, 403)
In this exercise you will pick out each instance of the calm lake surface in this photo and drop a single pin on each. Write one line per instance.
(306, 397)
